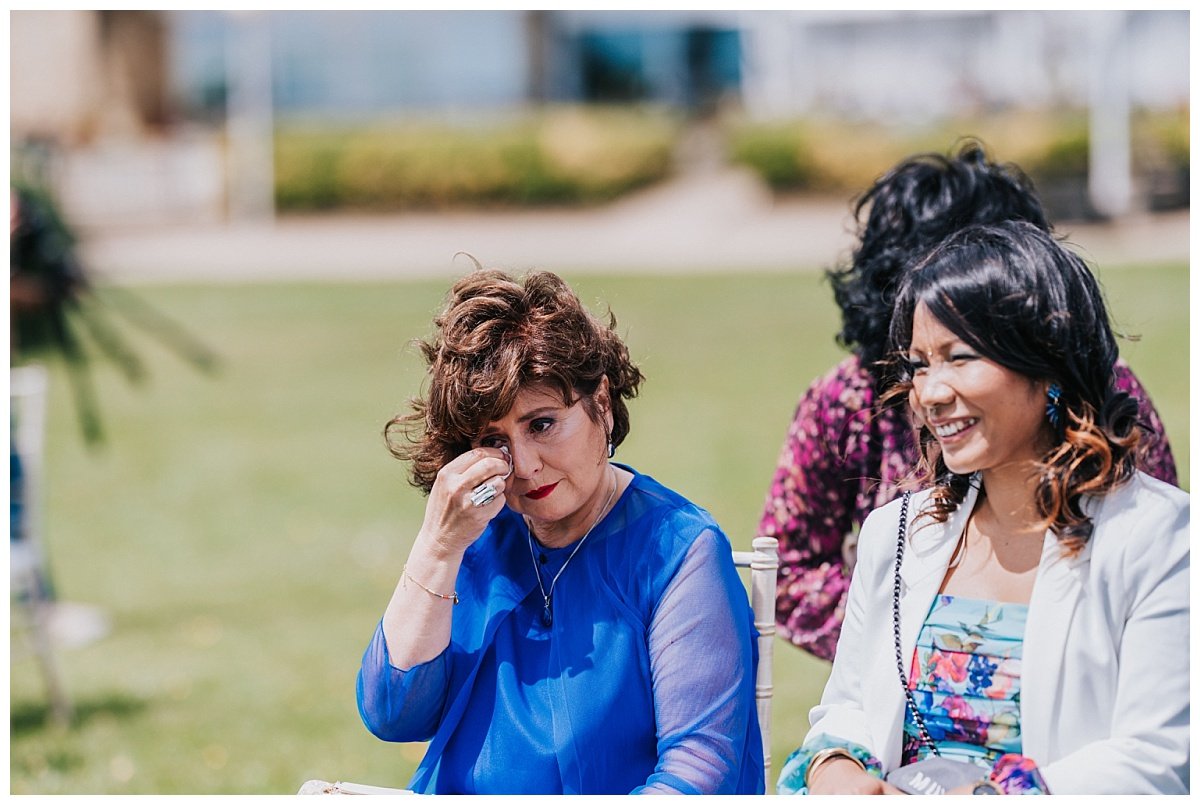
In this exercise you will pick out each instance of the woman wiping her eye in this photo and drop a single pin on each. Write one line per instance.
(564, 623)
(1026, 615)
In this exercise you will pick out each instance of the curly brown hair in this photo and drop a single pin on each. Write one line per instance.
(495, 336)
(1021, 299)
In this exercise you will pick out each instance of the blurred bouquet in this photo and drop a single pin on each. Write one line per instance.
(54, 307)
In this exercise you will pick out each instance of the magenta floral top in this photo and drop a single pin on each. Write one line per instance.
(839, 461)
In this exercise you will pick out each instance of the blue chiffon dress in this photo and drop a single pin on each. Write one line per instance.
(643, 681)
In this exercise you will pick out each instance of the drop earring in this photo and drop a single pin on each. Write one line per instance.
(1054, 406)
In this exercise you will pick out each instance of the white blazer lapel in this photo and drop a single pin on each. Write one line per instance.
(1051, 611)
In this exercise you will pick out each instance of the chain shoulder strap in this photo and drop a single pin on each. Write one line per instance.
(901, 538)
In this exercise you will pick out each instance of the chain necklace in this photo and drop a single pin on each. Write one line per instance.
(547, 615)
(918, 719)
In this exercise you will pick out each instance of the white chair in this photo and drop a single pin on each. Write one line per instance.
(763, 563)
(27, 568)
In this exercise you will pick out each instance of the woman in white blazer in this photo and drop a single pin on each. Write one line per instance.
(1037, 626)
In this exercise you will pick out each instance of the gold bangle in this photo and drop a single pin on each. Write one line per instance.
(404, 575)
(829, 754)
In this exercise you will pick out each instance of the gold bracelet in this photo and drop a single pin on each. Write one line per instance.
(829, 754)
(404, 575)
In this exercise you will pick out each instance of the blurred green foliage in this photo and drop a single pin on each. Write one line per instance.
(585, 155)
(1163, 136)
(1063, 157)
(820, 154)
(781, 153)
(245, 534)
(567, 155)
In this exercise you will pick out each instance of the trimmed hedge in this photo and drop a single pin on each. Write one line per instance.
(586, 155)
(836, 156)
(555, 156)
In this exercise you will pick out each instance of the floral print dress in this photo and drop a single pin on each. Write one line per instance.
(965, 678)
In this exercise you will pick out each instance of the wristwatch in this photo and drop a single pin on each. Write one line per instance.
(986, 786)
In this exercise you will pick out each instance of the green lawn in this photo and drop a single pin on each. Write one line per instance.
(244, 531)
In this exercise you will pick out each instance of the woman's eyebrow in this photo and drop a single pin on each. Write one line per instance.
(536, 412)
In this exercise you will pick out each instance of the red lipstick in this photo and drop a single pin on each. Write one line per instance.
(541, 491)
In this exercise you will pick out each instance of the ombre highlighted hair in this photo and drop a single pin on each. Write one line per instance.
(1024, 301)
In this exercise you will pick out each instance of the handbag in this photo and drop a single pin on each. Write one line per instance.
(934, 774)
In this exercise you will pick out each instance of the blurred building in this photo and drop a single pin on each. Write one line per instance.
(370, 63)
(157, 104)
(91, 113)
(862, 63)
(75, 75)
(900, 65)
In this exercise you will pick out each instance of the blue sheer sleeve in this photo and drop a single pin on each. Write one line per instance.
(400, 705)
(701, 662)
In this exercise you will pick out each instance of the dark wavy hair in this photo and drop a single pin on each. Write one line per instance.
(495, 336)
(1022, 300)
(908, 211)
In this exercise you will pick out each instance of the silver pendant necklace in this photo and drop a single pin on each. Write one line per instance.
(547, 615)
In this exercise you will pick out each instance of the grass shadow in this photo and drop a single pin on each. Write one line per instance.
(26, 718)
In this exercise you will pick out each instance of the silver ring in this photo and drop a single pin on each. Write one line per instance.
(483, 494)
(508, 456)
